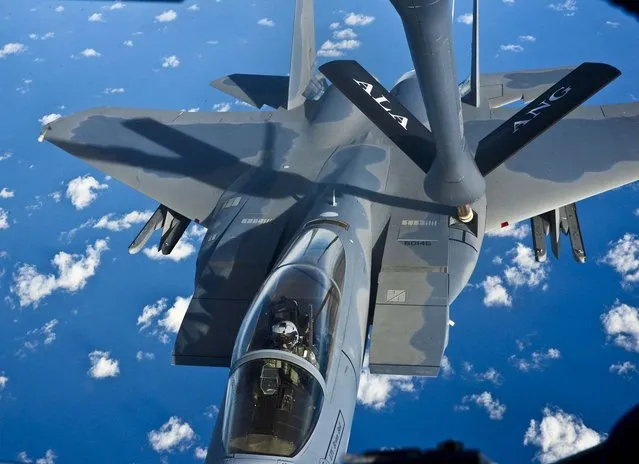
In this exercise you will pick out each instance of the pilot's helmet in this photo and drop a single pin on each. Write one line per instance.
(285, 334)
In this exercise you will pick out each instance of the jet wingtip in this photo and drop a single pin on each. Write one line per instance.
(608, 68)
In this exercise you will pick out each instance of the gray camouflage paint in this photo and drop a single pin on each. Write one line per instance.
(254, 179)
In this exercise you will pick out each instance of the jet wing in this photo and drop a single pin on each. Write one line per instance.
(183, 160)
(592, 150)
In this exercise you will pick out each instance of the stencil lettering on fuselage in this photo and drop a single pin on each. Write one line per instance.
(336, 439)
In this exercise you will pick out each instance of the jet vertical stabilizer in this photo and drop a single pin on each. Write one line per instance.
(290, 91)
(302, 53)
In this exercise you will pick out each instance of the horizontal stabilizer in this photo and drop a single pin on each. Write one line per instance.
(256, 90)
(501, 89)
(383, 110)
(542, 113)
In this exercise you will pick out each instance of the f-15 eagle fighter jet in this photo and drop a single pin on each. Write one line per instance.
(351, 211)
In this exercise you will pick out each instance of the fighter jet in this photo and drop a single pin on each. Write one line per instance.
(349, 212)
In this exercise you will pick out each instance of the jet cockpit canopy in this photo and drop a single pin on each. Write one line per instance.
(284, 349)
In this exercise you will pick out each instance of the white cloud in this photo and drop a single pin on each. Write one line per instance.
(82, 191)
(170, 321)
(59, 9)
(47, 36)
(559, 435)
(512, 48)
(194, 7)
(527, 38)
(623, 368)
(90, 53)
(47, 331)
(110, 91)
(509, 2)
(49, 118)
(128, 43)
(48, 458)
(6, 193)
(266, 22)
(525, 270)
(518, 231)
(96, 18)
(496, 293)
(150, 312)
(102, 366)
(485, 400)
(4, 219)
(497, 260)
(170, 61)
(73, 272)
(192, 110)
(166, 16)
(446, 367)
(334, 26)
(537, 359)
(5, 156)
(182, 250)
(491, 375)
(624, 258)
(173, 434)
(358, 19)
(200, 453)
(334, 49)
(142, 356)
(345, 34)
(12, 49)
(375, 389)
(222, 107)
(612, 24)
(173, 317)
(44, 334)
(466, 18)
(56, 196)
(3, 381)
(122, 223)
(115, 6)
(211, 411)
(241, 103)
(568, 7)
(622, 324)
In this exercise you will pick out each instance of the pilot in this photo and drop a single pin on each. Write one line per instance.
(286, 337)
